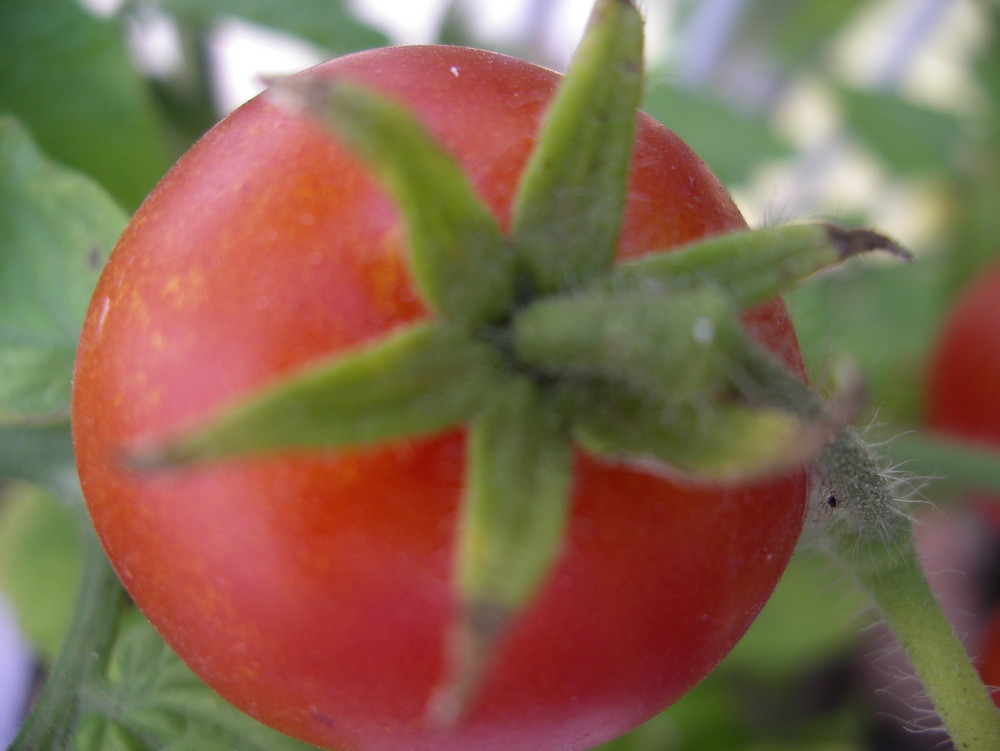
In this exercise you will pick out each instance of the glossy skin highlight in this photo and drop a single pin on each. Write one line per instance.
(314, 590)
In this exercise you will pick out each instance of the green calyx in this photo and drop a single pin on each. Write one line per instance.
(537, 342)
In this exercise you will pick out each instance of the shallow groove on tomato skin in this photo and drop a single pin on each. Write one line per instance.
(314, 591)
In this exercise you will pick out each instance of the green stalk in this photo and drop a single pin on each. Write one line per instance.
(874, 543)
(100, 603)
(871, 538)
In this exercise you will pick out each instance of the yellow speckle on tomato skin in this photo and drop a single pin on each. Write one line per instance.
(388, 274)
(185, 291)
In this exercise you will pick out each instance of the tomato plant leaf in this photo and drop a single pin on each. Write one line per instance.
(418, 380)
(511, 528)
(39, 452)
(655, 734)
(835, 312)
(707, 123)
(328, 23)
(569, 206)
(39, 563)
(68, 76)
(791, 32)
(754, 265)
(910, 138)
(56, 229)
(965, 464)
(458, 256)
(812, 615)
(148, 700)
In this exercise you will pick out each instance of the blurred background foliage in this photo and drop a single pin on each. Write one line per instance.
(873, 112)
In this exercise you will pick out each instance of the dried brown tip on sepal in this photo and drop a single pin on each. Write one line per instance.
(469, 652)
(853, 242)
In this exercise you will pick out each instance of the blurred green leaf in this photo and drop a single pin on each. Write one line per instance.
(986, 70)
(39, 564)
(56, 230)
(908, 137)
(795, 32)
(328, 23)
(150, 701)
(655, 735)
(810, 618)
(963, 465)
(731, 142)
(41, 453)
(881, 315)
(68, 76)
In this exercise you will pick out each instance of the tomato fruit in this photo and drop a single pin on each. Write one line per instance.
(963, 391)
(313, 590)
(963, 382)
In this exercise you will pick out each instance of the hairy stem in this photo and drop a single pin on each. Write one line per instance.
(99, 605)
(872, 539)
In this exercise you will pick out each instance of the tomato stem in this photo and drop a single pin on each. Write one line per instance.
(870, 536)
(101, 601)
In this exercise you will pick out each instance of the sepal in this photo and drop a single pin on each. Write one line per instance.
(417, 380)
(511, 530)
(752, 266)
(460, 260)
(568, 209)
(673, 380)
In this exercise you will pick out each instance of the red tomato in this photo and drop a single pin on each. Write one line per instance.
(963, 386)
(314, 590)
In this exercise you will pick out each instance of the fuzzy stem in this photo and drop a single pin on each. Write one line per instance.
(99, 606)
(873, 541)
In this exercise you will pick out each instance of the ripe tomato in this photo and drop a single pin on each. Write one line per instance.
(963, 385)
(314, 590)
(963, 390)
